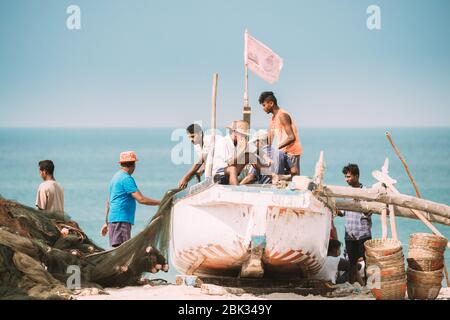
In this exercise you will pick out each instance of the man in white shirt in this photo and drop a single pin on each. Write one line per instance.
(50, 194)
(202, 145)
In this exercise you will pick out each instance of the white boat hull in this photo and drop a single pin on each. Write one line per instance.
(212, 231)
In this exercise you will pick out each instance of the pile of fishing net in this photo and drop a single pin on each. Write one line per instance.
(39, 250)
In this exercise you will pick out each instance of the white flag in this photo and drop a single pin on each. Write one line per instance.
(261, 60)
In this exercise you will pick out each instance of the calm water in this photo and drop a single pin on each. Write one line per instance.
(86, 159)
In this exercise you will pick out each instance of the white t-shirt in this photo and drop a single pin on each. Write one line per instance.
(50, 196)
(329, 271)
(204, 151)
(223, 151)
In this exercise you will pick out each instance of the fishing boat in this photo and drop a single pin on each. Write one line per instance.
(214, 228)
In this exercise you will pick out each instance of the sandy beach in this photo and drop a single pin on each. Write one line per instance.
(176, 292)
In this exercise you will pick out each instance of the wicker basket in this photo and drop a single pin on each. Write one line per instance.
(423, 292)
(396, 257)
(421, 253)
(428, 241)
(426, 264)
(390, 290)
(385, 263)
(378, 248)
(425, 277)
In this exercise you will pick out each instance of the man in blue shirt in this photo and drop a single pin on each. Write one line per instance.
(121, 205)
(358, 226)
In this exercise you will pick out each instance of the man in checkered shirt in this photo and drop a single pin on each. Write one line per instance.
(357, 225)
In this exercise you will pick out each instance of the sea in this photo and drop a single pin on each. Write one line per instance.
(86, 159)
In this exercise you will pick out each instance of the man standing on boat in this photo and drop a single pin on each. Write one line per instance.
(357, 225)
(202, 144)
(121, 205)
(284, 130)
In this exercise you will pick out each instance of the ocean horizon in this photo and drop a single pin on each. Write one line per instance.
(87, 158)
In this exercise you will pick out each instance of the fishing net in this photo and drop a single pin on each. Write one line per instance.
(37, 248)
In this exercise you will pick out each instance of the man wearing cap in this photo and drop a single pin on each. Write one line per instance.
(121, 205)
(231, 154)
(284, 131)
(274, 160)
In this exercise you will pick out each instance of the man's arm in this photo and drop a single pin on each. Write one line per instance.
(41, 199)
(139, 197)
(286, 122)
(105, 226)
(188, 176)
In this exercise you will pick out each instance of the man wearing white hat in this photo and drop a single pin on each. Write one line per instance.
(231, 154)
(272, 159)
(121, 205)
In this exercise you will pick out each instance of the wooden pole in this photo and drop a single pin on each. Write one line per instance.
(416, 188)
(388, 135)
(392, 222)
(213, 123)
(378, 207)
(246, 112)
(384, 229)
(402, 200)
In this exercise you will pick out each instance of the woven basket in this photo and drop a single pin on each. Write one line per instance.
(426, 264)
(390, 290)
(421, 253)
(377, 248)
(425, 277)
(428, 241)
(388, 273)
(396, 257)
(423, 292)
(386, 263)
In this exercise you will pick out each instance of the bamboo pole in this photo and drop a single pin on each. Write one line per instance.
(397, 151)
(372, 194)
(416, 188)
(378, 207)
(392, 222)
(384, 230)
(246, 112)
(213, 123)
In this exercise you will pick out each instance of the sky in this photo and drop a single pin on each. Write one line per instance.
(150, 63)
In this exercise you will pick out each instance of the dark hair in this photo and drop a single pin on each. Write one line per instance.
(194, 128)
(352, 168)
(267, 96)
(333, 245)
(127, 164)
(47, 166)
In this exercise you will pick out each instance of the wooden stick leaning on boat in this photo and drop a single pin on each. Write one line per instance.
(378, 207)
(416, 188)
(372, 194)
(397, 151)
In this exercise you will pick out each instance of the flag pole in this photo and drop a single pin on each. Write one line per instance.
(209, 165)
(246, 110)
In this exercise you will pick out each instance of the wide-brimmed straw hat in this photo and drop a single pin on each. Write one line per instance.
(128, 156)
(259, 135)
(239, 126)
